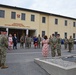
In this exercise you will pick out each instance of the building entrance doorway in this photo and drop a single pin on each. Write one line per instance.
(20, 32)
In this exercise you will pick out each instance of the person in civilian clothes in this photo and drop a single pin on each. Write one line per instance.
(45, 47)
(35, 42)
(14, 42)
(10, 42)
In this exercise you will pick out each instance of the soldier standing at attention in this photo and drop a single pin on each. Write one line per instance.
(3, 48)
(22, 42)
(65, 42)
(30, 40)
(39, 40)
(70, 43)
(53, 43)
(59, 45)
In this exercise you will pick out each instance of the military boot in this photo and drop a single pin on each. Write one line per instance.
(3, 66)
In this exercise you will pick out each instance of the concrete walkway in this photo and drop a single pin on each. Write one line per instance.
(21, 61)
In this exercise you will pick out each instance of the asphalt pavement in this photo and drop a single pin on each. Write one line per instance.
(21, 61)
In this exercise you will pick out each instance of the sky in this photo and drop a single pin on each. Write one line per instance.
(60, 7)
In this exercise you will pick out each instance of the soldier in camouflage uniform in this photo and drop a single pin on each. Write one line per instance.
(65, 42)
(39, 40)
(22, 42)
(53, 43)
(3, 48)
(70, 43)
(30, 40)
(58, 45)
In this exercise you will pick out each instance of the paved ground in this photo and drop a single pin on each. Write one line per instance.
(21, 61)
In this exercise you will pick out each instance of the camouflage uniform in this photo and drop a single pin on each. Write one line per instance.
(53, 43)
(70, 43)
(39, 40)
(29, 40)
(22, 42)
(65, 43)
(3, 48)
(59, 46)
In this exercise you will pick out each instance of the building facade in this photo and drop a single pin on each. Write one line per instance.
(31, 22)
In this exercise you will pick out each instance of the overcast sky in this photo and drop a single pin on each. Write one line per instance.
(60, 7)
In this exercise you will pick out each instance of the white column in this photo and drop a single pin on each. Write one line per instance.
(7, 31)
(27, 32)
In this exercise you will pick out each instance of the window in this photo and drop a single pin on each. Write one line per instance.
(65, 22)
(43, 33)
(43, 19)
(65, 35)
(73, 35)
(22, 16)
(73, 24)
(2, 13)
(32, 17)
(56, 21)
(13, 15)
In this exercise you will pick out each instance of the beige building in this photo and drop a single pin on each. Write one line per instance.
(31, 22)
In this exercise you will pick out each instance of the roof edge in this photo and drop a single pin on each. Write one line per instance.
(25, 9)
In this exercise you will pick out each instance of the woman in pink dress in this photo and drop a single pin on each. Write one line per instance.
(10, 42)
(45, 47)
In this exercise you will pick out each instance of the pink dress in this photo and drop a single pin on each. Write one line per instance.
(10, 41)
(45, 48)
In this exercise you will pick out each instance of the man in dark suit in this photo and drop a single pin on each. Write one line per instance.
(15, 42)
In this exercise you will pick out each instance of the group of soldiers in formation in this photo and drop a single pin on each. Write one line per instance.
(54, 43)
